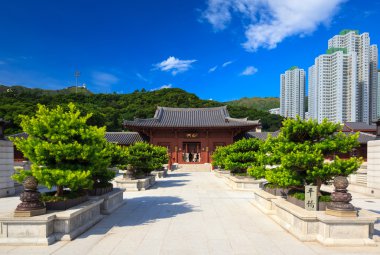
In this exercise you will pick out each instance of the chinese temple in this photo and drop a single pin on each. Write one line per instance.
(191, 134)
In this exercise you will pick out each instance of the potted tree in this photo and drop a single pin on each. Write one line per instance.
(241, 155)
(65, 152)
(219, 160)
(299, 154)
(140, 159)
(102, 177)
(159, 158)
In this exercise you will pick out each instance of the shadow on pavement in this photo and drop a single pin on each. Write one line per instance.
(139, 211)
(167, 183)
(174, 174)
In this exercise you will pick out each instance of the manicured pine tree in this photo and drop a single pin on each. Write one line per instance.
(300, 153)
(63, 149)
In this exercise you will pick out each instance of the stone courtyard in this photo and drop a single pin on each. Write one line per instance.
(187, 213)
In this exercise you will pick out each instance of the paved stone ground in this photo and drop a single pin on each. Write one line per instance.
(186, 213)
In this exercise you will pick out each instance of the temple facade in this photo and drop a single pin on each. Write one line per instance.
(191, 134)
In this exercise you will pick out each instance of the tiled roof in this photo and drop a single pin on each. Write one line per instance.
(358, 126)
(21, 135)
(364, 138)
(259, 135)
(191, 117)
(122, 138)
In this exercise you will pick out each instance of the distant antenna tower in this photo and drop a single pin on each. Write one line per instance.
(76, 74)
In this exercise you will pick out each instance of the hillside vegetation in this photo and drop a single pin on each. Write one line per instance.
(111, 109)
(259, 103)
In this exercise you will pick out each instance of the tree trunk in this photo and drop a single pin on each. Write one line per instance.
(59, 192)
(319, 184)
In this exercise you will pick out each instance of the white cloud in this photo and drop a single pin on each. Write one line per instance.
(271, 21)
(104, 79)
(175, 65)
(249, 70)
(212, 69)
(167, 86)
(227, 63)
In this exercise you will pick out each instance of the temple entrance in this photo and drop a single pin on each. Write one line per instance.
(191, 152)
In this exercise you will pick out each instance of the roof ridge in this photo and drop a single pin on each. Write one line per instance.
(191, 108)
(364, 133)
(158, 113)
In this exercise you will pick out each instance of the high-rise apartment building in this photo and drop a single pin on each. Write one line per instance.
(378, 94)
(343, 82)
(292, 97)
(332, 86)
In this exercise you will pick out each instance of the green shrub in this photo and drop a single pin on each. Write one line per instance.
(64, 150)
(257, 172)
(241, 155)
(142, 158)
(300, 151)
(219, 156)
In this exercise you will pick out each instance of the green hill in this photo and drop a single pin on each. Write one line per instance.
(111, 109)
(259, 103)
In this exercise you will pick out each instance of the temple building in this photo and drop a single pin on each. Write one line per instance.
(191, 134)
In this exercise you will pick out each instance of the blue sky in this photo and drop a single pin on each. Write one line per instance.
(218, 49)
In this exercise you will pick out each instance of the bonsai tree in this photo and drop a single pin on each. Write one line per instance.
(300, 152)
(102, 177)
(142, 158)
(63, 149)
(241, 155)
(219, 156)
(159, 157)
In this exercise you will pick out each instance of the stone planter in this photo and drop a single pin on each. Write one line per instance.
(135, 184)
(76, 220)
(48, 228)
(159, 173)
(65, 204)
(111, 201)
(282, 192)
(221, 173)
(242, 183)
(301, 203)
(316, 225)
(100, 191)
(263, 200)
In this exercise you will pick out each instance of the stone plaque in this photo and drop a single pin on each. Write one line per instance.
(311, 198)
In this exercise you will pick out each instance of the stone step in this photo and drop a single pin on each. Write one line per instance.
(192, 168)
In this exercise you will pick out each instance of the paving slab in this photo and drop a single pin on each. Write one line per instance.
(187, 213)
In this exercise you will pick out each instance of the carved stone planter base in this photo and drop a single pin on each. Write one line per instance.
(112, 201)
(341, 213)
(159, 173)
(51, 227)
(221, 173)
(316, 225)
(135, 184)
(30, 213)
(242, 183)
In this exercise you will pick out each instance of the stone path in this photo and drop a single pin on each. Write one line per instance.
(187, 213)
